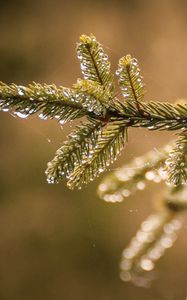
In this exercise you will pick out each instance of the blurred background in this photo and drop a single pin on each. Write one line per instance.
(61, 244)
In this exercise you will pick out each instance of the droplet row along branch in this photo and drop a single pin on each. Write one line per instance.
(69, 104)
(152, 115)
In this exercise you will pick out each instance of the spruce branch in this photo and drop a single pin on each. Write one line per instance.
(176, 164)
(110, 142)
(130, 80)
(126, 180)
(97, 92)
(152, 115)
(176, 199)
(80, 144)
(156, 234)
(50, 101)
(87, 99)
(94, 62)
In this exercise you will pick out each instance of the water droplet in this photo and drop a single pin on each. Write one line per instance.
(126, 95)
(126, 264)
(125, 276)
(51, 180)
(101, 170)
(147, 226)
(66, 93)
(42, 116)
(128, 253)
(126, 193)
(166, 242)
(105, 57)
(83, 67)
(21, 90)
(62, 122)
(21, 115)
(140, 185)
(146, 264)
(79, 56)
(103, 187)
(150, 175)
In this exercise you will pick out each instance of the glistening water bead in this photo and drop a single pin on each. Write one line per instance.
(21, 90)
(42, 116)
(21, 115)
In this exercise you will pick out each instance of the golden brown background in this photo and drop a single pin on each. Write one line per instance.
(58, 244)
